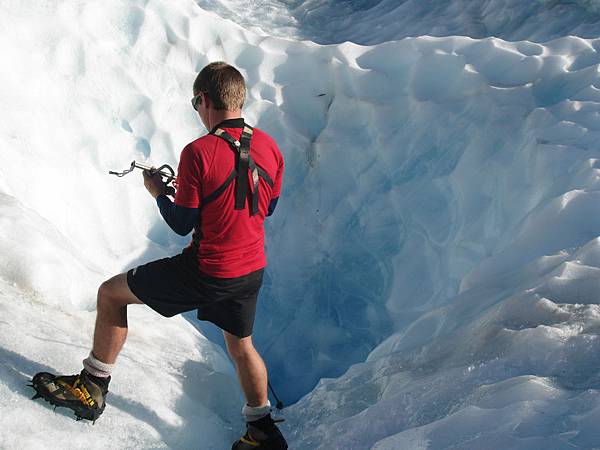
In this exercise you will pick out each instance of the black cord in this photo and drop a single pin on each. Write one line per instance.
(279, 404)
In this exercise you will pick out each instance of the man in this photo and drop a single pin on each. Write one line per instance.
(227, 182)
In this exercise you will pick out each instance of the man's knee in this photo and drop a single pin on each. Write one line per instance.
(115, 293)
(239, 348)
(106, 294)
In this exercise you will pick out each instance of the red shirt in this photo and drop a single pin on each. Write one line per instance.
(232, 241)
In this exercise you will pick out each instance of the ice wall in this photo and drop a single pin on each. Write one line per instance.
(407, 162)
(432, 153)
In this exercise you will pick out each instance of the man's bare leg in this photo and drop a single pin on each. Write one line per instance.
(250, 367)
(85, 394)
(111, 318)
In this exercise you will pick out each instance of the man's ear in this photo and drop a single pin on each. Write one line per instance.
(206, 99)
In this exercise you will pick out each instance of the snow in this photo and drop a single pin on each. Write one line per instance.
(170, 378)
(434, 261)
(370, 22)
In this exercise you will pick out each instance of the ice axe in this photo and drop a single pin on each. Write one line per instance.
(165, 171)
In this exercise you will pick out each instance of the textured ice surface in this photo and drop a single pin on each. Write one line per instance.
(437, 228)
(371, 22)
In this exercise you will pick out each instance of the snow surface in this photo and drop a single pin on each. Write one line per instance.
(371, 22)
(434, 261)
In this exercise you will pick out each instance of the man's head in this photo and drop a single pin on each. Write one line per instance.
(222, 85)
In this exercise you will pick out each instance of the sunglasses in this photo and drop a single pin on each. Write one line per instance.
(197, 100)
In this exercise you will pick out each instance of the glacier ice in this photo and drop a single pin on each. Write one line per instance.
(433, 262)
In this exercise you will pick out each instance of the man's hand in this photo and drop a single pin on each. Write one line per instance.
(154, 183)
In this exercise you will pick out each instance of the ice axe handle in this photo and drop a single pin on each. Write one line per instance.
(165, 171)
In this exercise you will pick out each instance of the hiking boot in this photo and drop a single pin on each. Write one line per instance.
(262, 434)
(83, 393)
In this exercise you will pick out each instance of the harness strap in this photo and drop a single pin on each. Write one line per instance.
(244, 164)
(220, 189)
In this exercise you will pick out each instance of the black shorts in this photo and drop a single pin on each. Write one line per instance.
(174, 285)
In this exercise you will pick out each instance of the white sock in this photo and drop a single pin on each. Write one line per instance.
(96, 367)
(252, 413)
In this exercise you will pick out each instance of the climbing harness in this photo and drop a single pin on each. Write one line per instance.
(244, 163)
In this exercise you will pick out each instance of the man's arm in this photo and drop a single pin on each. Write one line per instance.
(179, 218)
(272, 206)
(276, 185)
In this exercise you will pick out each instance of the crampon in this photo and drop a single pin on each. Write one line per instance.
(86, 398)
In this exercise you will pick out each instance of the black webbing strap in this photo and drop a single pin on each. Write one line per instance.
(241, 191)
(220, 189)
(264, 175)
(244, 164)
